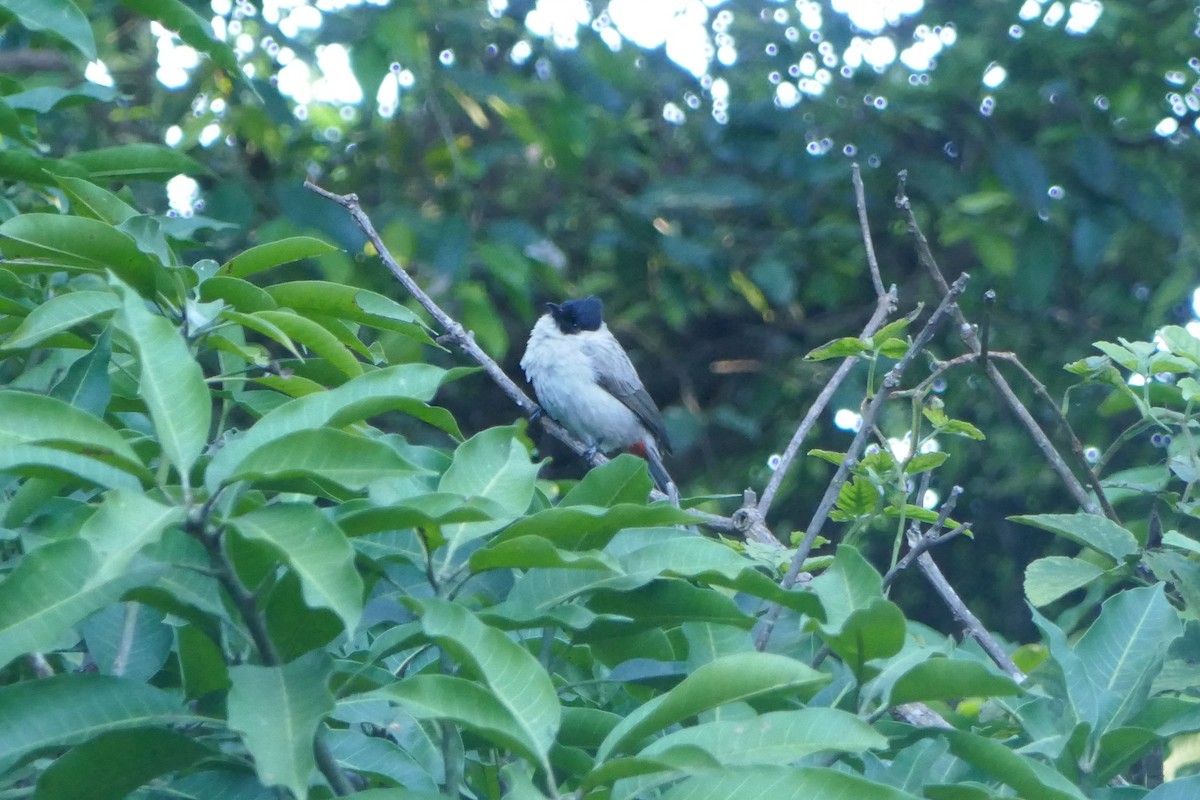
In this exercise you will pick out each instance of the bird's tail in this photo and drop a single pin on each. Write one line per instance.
(648, 449)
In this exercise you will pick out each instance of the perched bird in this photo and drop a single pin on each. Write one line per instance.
(584, 380)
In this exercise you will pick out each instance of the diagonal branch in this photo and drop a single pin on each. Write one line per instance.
(890, 382)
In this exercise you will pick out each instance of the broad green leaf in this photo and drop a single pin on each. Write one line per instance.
(324, 454)
(1048, 579)
(1031, 779)
(405, 388)
(241, 295)
(528, 552)
(278, 711)
(348, 303)
(60, 18)
(848, 584)
(1083, 695)
(923, 462)
(171, 383)
(511, 673)
(140, 161)
(495, 465)
(316, 549)
(125, 523)
(779, 737)
(589, 527)
(114, 764)
(37, 461)
(948, 679)
(89, 200)
(272, 254)
(782, 783)
(622, 480)
(1119, 748)
(46, 98)
(467, 703)
(60, 314)
(54, 242)
(860, 624)
(1088, 530)
(86, 385)
(423, 511)
(374, 755)
(729, 679)
(52, 589)
(32, 418)
(68, 709)
(1124, 649)
(315, 337)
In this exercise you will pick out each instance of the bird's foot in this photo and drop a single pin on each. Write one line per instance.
(589, 455)
(536, 414)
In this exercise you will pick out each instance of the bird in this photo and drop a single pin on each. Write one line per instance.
(584, 380)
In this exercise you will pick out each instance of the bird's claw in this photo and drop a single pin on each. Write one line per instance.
(536, 414)
(589, 455)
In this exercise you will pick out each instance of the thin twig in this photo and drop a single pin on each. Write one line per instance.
(860, 201)
(974, 627)
(985, 330)
(890, 382)
(969, 336)
(883, 308)
(920, 544)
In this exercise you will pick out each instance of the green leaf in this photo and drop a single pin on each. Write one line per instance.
(68, 709)
(89, 200)
(949, 679)
(316, 549)
(59, 314)
(374, 755)
(513, 676)
(1031, 779)
(50, 590)
(860, 624)
(781, 783)
(324, 454)
(857, 497)
(241, 295)
(114, 764)
(171, 383)
(86, 385)
(61, 18)
(1050, 578)
(779, 737)
(923, 462)
(54, 242)
(839, 348)
(38, 461)
(1124, 650)
(495, 465)
(31, 418)
(349, 303)
(622, 480)
(278, 710)
(729, 679)
(403, 388)
(315, 337)
(1088, 530)
(140, 161)
(590, 528)
(467, 703)
(1178, 789)
(272, 254)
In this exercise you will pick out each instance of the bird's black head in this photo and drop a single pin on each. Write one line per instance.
(574, 316)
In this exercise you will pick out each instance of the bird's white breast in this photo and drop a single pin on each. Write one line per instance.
(564, 378)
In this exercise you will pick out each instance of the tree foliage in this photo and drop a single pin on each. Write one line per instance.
(264, 534)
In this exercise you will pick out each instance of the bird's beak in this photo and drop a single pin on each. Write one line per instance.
(552, 306)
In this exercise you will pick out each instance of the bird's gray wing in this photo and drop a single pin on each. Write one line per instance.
(616, 375)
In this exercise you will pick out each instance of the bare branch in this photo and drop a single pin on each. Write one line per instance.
(971, 339)
(890, 382)
(883, 308)
(860, 201)
(974, 627)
